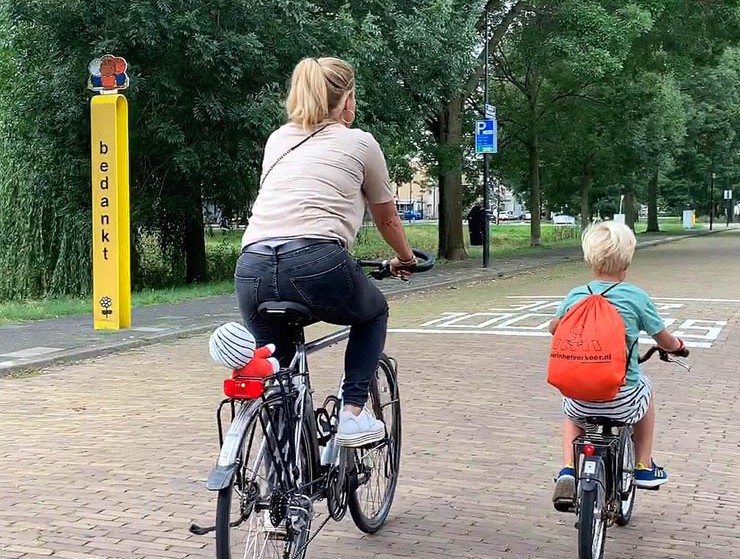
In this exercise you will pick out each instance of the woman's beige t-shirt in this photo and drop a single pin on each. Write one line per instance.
(320, 189)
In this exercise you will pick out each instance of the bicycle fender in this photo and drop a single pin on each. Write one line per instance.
(220, 477)
(589, 479)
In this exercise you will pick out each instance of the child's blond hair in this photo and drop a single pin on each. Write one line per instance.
(608, 247)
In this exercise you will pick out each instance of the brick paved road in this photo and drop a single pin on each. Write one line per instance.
(107, 458)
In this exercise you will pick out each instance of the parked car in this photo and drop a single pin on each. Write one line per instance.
(564, 219)
(510, 216)
(411, 215)
(527, 216)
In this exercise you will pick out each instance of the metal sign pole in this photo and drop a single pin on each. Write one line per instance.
(486, 192)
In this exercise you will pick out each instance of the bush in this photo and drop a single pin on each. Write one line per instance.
(221, 260)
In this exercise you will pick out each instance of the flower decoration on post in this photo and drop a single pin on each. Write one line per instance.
(108, 74)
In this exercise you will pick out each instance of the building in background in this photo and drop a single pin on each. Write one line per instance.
(419, 198)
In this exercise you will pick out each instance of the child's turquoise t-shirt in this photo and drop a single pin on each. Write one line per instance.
(635, 307)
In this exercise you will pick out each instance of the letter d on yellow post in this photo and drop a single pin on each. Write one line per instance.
(110, 195)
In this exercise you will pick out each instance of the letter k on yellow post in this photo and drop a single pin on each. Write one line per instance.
(110, 194)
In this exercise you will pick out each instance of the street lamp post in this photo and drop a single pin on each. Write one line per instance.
(711, 201)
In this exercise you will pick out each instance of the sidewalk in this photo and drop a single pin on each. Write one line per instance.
(37, 344)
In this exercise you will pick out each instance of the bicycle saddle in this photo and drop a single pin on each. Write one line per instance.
(604, 422)
(286, 312)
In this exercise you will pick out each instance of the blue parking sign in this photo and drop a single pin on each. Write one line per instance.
(486, 140)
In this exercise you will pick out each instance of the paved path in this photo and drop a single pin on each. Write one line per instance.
(107, 458)
(40, 343)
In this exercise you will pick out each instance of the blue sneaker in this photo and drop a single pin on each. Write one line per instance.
(565, 490)
(650, 477)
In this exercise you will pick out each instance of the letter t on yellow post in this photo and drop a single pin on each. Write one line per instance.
(110, 195)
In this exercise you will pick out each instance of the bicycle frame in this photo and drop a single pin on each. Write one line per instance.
(221, 475)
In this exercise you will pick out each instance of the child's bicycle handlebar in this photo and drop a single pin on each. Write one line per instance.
(667, 356)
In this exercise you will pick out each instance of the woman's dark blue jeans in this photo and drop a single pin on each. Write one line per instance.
(327, 280)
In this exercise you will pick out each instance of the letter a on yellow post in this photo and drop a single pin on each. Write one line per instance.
(110, 195)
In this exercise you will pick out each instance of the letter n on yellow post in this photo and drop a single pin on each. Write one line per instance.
(111, 226)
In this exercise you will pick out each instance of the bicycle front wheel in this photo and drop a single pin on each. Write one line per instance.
(627, 490)
(261, 515)
(376, 467)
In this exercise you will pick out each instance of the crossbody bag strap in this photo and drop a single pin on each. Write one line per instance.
(303, 141)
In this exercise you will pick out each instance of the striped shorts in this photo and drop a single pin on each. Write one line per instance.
(628, 407)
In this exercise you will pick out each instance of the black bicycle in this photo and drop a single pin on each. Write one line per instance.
(279, 456)
(605, 492)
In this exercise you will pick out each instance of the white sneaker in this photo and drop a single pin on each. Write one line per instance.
(359, 430)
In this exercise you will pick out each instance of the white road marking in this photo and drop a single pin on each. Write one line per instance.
(32, 352)
(530, 315)
(147, 329)
(687, 299)
(530, 334)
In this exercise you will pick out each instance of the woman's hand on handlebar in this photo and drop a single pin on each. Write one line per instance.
(402, 269)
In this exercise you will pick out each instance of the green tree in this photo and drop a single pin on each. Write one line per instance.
(560, 55)
(207, 85)
(713, 133)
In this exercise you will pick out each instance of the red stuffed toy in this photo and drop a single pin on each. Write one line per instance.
(248, 382)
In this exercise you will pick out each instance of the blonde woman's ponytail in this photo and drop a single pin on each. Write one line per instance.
(316, 89)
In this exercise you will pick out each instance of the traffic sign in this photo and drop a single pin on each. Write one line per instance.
(728, 194)
(489, 112)
(485, 136)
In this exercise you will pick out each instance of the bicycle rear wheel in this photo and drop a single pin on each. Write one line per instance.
(259, 516)
(592, 522)
(376, 467)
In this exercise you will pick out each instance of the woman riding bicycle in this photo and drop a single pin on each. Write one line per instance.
(318, 175)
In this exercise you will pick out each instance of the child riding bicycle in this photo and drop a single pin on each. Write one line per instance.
(608, 248)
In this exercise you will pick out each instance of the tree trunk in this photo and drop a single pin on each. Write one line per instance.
(449, 140)
(629, 209)
(585, 188)
(534, 187)
(652, 202)
(194, 245)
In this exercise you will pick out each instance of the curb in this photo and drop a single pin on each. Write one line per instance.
(80, 354)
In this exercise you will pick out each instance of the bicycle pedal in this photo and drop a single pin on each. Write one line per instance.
(372, 446)
(656, 488)
(197, 530)
(564, 506)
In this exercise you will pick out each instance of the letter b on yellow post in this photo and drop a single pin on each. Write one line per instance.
(111, 228)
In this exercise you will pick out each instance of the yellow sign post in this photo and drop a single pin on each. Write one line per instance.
(110, 195)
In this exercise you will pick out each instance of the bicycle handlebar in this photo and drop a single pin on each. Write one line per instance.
(425, 262)
(665, 356)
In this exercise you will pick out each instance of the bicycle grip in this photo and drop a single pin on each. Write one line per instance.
(683, 352)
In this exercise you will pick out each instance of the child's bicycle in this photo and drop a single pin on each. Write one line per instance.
(279, 457)
(605, 465)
